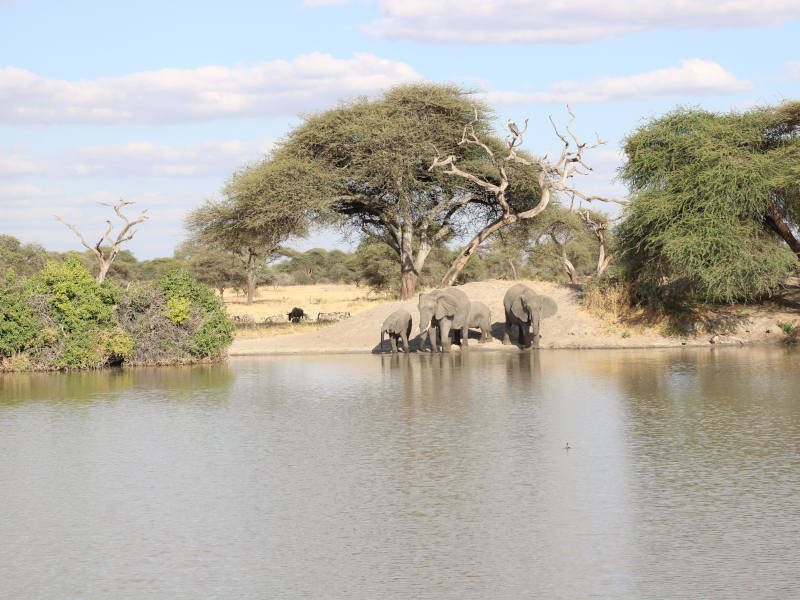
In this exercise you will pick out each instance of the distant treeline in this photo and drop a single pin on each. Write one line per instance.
(556, 247)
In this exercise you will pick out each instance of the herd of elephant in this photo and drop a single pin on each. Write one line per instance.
(450, 314)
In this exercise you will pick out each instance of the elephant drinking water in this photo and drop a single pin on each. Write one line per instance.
(525, 309)
(444, 311)
(398, 326)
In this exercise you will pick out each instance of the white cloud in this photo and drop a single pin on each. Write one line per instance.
(22, 191)
(537, 21)
(695, 77)
(306, 83)
(142, 159)
(210, 158)
(15, 164)
(794, 69)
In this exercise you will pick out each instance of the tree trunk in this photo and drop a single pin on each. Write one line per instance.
(105, 265)
(513, 269)
(409, 279)
(783, 229)
(463, 256)
(251, 278)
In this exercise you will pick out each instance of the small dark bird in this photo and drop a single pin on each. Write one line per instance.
(512, 127)
(567, 447)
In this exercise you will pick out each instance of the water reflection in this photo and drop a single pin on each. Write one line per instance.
(425, 476)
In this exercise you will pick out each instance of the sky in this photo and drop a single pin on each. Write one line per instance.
(160, 102)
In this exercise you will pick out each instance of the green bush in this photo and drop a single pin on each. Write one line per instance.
(73, 298)
(18, 322)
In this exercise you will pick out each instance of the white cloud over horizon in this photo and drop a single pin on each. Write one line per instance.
(694, 77)
(140, 159)
(270, 89)
(555, 21)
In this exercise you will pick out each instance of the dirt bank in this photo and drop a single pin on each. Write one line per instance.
(572, 327)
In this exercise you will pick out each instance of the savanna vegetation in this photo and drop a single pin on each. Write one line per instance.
(434, 196)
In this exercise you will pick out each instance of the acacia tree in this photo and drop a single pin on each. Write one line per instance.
(374, 157)
(715, 202)
(263, 205)
(552, 177)
(106, 255)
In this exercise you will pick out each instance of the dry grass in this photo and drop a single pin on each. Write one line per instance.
(273, 329)
(312, 299)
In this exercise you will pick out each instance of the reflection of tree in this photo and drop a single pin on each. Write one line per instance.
(174, 383)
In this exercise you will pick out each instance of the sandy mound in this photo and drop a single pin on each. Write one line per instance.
(570, 328)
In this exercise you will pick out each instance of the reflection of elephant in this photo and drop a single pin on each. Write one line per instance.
(481, 317)
(525, 308)
(443, 310)
(397, 325)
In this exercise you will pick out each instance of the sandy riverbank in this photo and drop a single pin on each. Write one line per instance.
(572, 327)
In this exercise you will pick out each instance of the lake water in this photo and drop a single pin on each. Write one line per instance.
(422, 476)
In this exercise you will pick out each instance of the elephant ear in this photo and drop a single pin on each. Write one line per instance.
(518, 310)
(445, 305)
(549, 307)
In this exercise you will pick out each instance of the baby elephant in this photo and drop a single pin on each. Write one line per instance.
(481, 317)
(397, 325)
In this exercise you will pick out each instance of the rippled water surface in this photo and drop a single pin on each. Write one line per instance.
(417, 476)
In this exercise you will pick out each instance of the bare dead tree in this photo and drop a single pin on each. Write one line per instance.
(553, 177)
(124, 235)
(598, 228)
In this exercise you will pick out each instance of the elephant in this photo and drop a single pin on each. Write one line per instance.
(525, 308)
(397, 325)
(480, 316)
(444, 310)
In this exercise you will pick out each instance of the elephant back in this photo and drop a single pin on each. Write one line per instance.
(461, 303)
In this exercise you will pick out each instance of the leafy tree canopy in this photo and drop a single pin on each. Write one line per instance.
(713, 199)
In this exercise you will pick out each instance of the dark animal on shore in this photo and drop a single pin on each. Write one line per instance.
(296, 315)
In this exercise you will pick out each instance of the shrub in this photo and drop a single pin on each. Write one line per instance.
(175, 319)
(18, 322)
(73, 298)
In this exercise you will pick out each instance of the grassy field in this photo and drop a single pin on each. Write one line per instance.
(312, 299)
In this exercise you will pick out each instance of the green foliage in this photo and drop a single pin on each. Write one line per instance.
(18, 322)
(179, 284)
(62, 319)
(178, 310)
(93, 349)
(23, 259)
(699, 223)
(378, 266)
(211, 329)
(785, 327)
(370, 161)
(74, 300)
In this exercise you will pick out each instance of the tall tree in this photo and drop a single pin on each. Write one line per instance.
(715, 201)
(262, 206)
(374, 155)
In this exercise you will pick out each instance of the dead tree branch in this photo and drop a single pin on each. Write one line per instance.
(126, 234)
(553, 177)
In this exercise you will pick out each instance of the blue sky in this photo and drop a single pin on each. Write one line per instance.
(159, 102)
